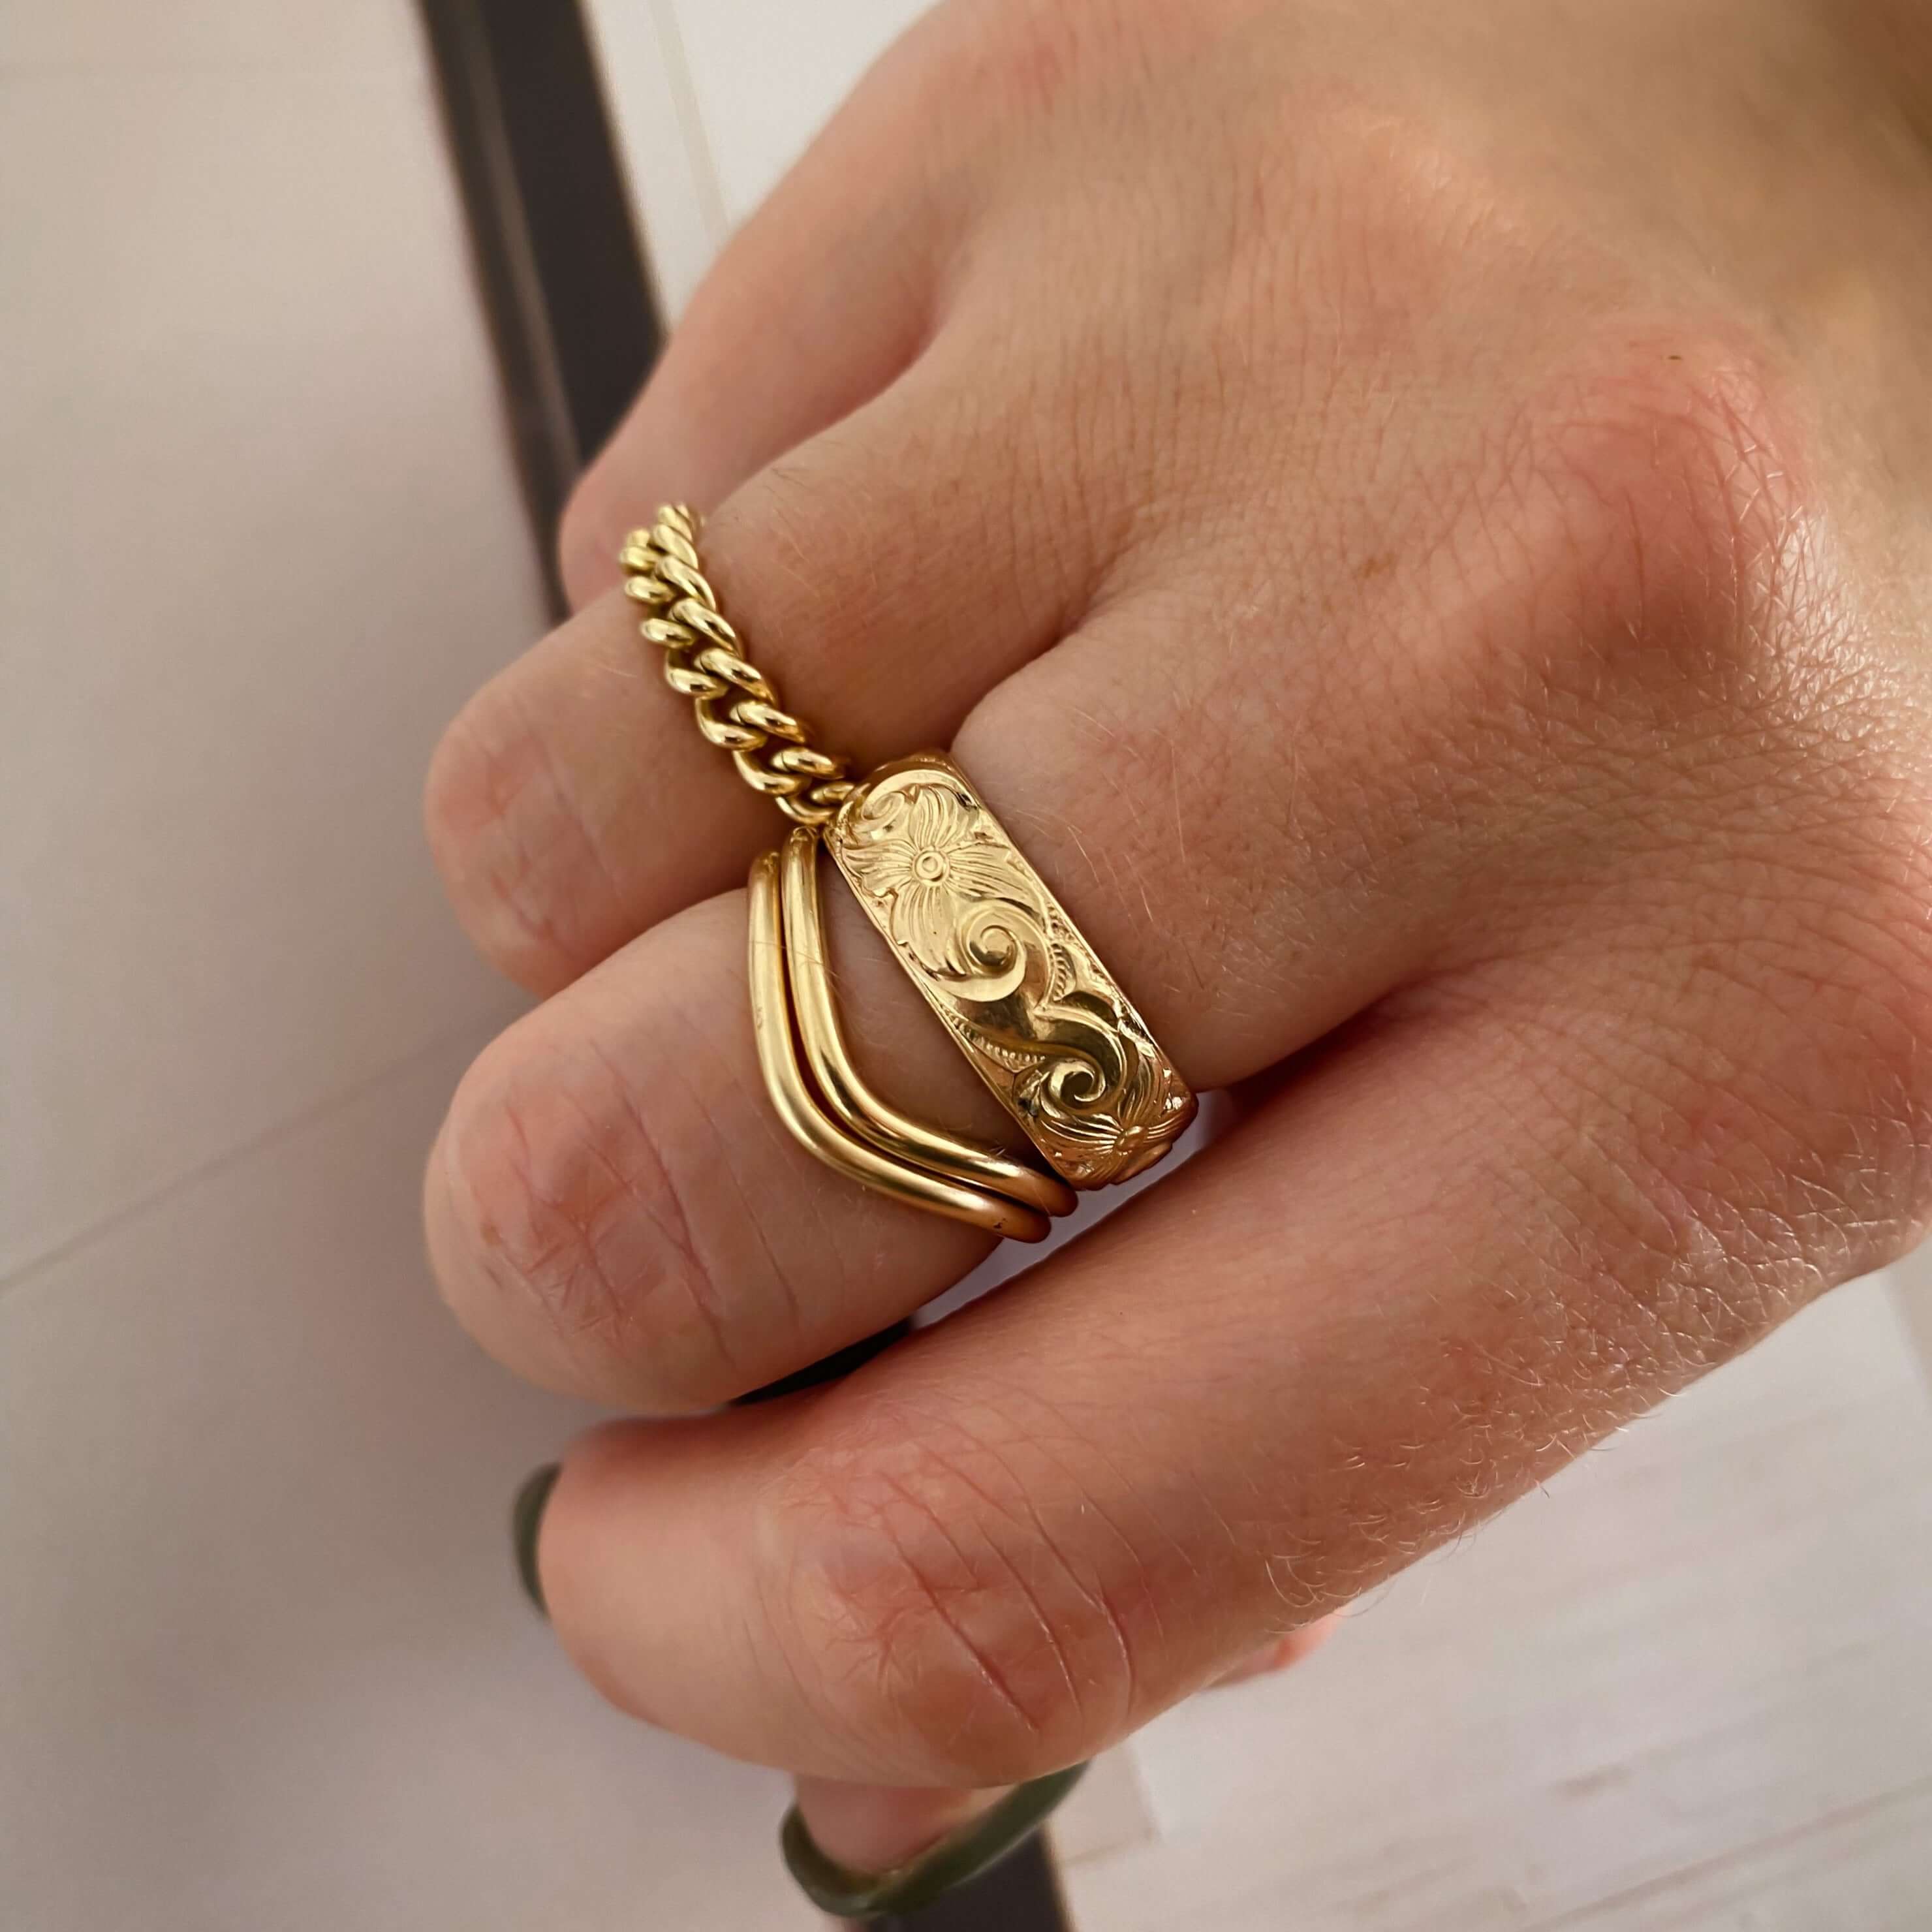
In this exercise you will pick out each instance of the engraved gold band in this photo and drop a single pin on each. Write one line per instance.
(1045, 1024)
(994, 954)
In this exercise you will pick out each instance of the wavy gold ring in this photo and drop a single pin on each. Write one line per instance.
(996, 955)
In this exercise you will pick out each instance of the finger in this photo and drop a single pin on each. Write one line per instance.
(881, 574)
(1399, 1297)
(614, 1210)
(818, 302)
(893, 572)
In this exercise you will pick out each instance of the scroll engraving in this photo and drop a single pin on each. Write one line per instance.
(1001, 962)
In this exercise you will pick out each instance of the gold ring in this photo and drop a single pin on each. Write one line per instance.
(996, 955)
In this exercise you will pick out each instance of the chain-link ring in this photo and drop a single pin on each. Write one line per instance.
(737, 707)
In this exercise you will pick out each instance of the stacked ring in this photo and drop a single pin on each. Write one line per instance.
(994, 954)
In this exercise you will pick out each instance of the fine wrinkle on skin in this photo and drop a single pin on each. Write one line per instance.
(1017, 1506)
(1061, 1630)
(714, 1096)
(891, 1609)
(541, 1190)
(1646, 1193)
(491, 848)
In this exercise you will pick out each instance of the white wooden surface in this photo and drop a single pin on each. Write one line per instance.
(1690, 1686)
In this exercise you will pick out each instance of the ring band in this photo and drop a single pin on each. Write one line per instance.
(736, 709)
(994, 954)
(824, 1101)
(1045, 1024)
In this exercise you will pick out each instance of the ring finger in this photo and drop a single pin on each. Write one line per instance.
(612, 1205)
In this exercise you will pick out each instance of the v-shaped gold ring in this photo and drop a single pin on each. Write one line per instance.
(824, 1101)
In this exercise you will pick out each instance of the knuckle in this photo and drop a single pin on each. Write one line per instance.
(813, 514)
(1011, 61)
(942, 1633)
(571, 1237)
(1683, 516)
(503, 824)
(834, 550)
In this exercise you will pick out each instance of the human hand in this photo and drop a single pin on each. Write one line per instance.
(1416, 519)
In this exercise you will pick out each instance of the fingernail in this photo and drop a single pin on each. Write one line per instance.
(978, 1844)
(525, 1520)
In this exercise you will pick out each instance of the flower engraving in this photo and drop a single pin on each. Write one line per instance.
(932, 861)
(1005, 968)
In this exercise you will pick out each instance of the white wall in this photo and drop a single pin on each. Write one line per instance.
(263, 1663)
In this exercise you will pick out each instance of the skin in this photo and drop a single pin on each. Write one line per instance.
(1418, 519)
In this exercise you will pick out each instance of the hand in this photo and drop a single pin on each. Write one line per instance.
(1416, 518)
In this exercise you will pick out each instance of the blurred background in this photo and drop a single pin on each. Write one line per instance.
(297, 359)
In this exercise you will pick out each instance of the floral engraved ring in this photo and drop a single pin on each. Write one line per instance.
(995, 954)
(1001, 964)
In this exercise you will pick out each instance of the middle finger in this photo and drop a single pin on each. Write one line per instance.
(870, 575)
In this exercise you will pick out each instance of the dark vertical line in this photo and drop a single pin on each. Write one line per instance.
(602, 318)
(562, 279)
